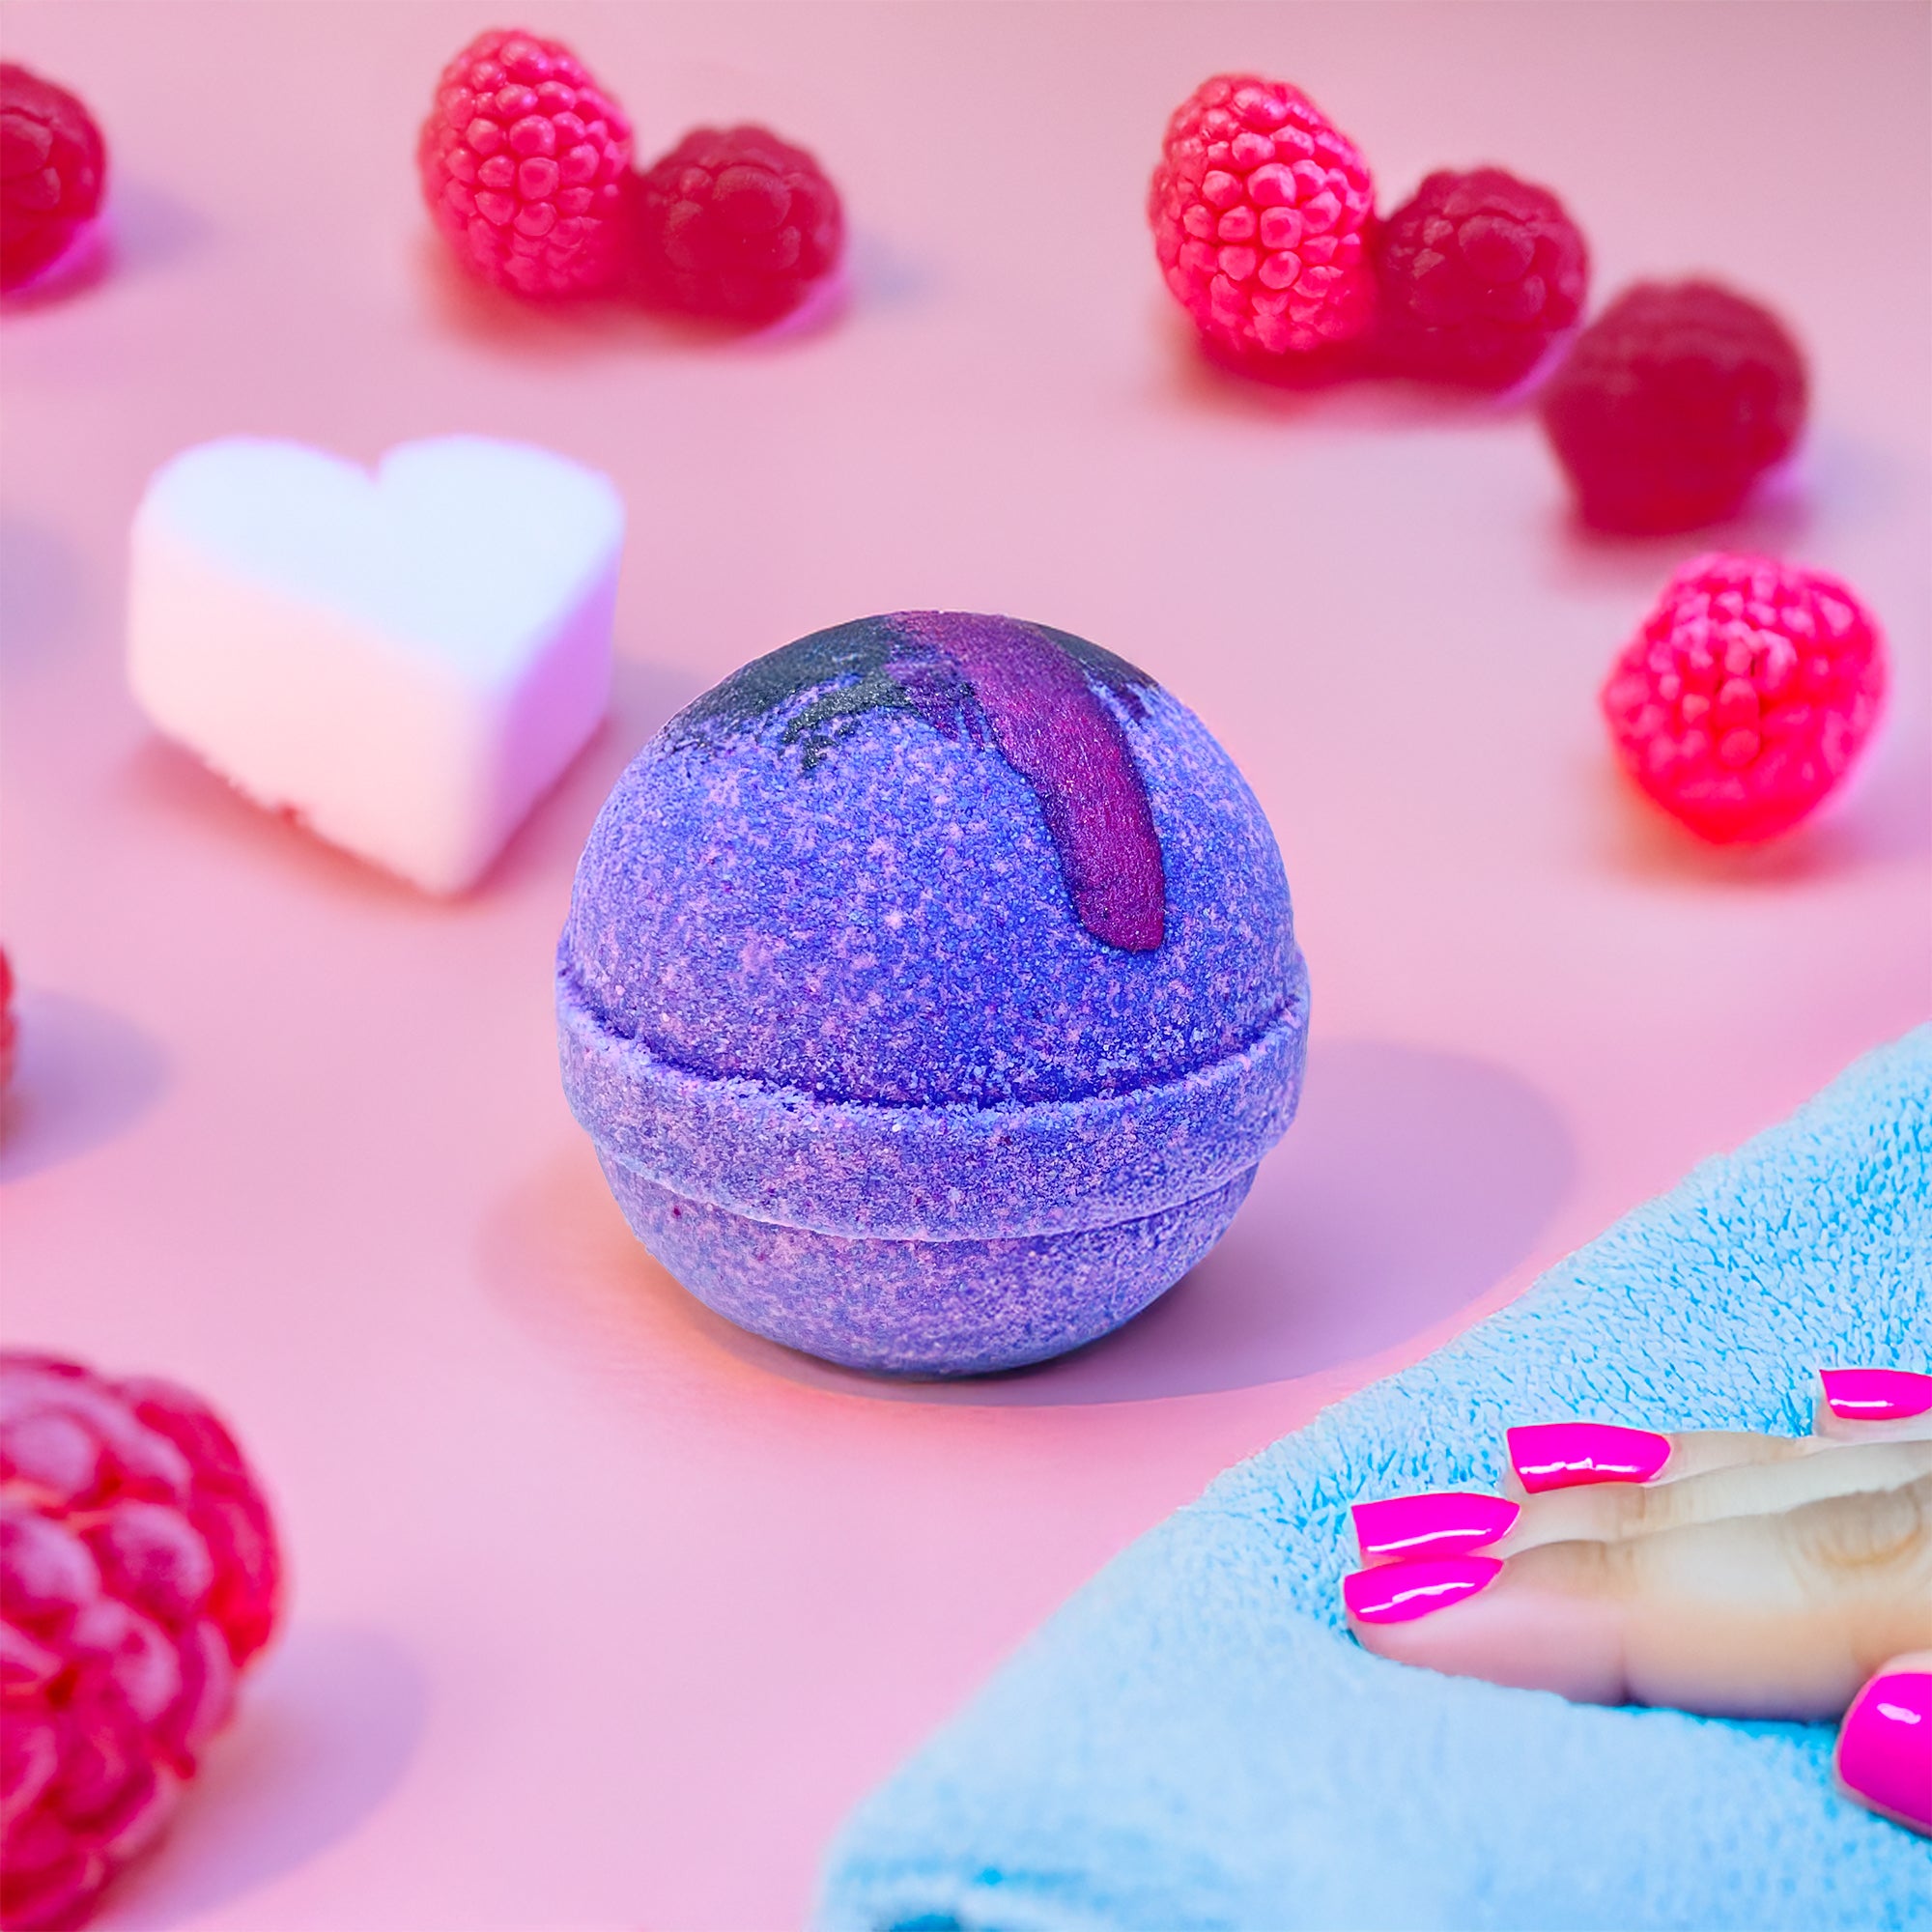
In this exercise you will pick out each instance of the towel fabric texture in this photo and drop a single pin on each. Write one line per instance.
(1195, 1740)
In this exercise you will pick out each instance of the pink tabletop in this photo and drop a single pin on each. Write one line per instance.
(604, 1613)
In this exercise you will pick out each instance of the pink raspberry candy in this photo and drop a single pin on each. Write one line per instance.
(1479, 273)
(735, 222)
(1746, 696)
(53, 168)
(1258, 208)
(524, 163)
(138, 1574)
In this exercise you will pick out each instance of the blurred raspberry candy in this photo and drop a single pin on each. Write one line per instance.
(735, 223)
(53, 170)
(9, 1026)
(138, 1575)
(1672, 404)
(1479, 273)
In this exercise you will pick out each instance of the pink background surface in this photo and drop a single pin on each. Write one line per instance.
(604, 1613)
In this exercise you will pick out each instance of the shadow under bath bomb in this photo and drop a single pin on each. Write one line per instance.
(404, 662)
(930, 992)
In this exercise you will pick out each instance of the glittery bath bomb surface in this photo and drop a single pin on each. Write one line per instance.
(930, 991)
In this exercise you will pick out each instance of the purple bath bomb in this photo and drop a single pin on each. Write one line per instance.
(930, 992)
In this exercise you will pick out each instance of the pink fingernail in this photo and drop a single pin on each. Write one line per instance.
(1565, 1455)
(1439, 1524)
(1876, 1395)
(1397, 1593)
(1885, 1748)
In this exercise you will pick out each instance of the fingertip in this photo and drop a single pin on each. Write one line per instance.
(1399, 1593)
(1884, 1755)
(1567, 1455)
(1436, 1523)
(1518, 1623)
(1872, 1405)
(1876, 1395)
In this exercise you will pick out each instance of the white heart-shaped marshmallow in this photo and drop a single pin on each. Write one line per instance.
(407, 661)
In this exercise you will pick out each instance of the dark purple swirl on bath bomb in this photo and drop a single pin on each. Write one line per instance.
(1028, 690)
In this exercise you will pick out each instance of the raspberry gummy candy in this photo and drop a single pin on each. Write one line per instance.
(524, 163)
(1258, 208)
(736, 223)
(53, 167)
(1478, 273)
(10, 1027)
(138, 1575)
(1746, 696)
(1672, 404)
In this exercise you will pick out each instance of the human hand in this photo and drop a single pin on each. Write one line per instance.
(1732, 1575)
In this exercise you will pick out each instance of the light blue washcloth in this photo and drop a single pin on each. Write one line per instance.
(1195, 1740)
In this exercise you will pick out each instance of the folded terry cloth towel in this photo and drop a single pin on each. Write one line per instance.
(1195, 1740)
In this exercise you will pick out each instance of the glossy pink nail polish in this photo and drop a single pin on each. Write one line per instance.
(1876, 1395)
(1397, 1593)
(1565, 1455)
(1885, 1748)
(1440, 1523)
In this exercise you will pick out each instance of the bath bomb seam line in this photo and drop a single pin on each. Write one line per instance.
(784, 1156)
(1290, 1016)
(1023, 1233)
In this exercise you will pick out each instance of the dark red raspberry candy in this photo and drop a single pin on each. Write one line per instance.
(53, 169)
(524, 163)
(735, 222)
(1258, 208)
(10, 1027)
(1672, 404)
(138, 1574)
(1746, 696)
(1479, 274)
